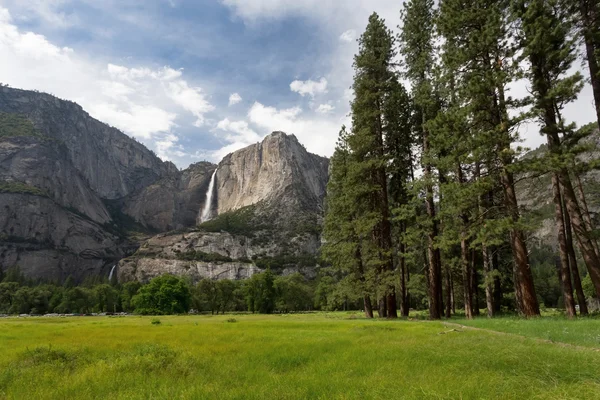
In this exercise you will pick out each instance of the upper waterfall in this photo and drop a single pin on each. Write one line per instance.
(206, 211)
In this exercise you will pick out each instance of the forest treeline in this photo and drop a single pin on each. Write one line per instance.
(264, 293)
(422, 184)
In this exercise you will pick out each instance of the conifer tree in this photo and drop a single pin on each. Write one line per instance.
(546, 37)
(342, 248)
(589, 23)
(399, 142)
(480, 53)
(417, 47)
(373, 87)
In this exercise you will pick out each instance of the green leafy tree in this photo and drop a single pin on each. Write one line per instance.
(166, 294)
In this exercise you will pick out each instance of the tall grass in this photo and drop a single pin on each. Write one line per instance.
(321, 356)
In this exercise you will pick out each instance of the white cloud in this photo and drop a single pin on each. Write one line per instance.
(325, 109)
(238, 134)
(348, 36)
(140, 121)
(234, 98)
(145, 102)
(189, 98)
(309, 87)
(317, 134)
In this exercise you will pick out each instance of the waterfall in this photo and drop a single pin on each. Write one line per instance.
(206, 211)
(111, 272)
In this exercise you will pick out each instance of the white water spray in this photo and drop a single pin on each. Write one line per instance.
(111, 272)
(206, 211)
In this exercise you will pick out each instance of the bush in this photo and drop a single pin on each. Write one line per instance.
(155, 321)
(166, 294)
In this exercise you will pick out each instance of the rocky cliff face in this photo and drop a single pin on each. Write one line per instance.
(264, 172)
(72, 188)
(268, 207)
(68, 181)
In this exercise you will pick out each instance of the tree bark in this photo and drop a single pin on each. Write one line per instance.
(586, 246)
(448, 302)
(403, 297)
(435, 270)
(527, 302)
(474, 284)
(489, 288)
(565, 273)
(381, 311)
(497, 283)
(583, 310)
(368, 306)
(523, 278)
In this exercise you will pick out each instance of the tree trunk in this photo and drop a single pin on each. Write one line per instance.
(435, 270)
(448, 302)
(497, 283)
(586, 246)
(586, 211)
(565, 273)
(523, 278)
(489, 288)
(474, 284)
(382, 309)
(403, 297)
(452, 297)
(589, 15)
(464, 257)
(583, 310)
(527, 302)
(368, 306)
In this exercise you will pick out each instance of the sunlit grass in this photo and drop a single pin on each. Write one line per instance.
(580, 331)
(326, 356)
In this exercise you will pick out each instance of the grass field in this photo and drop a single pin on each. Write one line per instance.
(326, 356)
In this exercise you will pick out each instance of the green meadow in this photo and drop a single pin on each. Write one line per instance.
(303, 356)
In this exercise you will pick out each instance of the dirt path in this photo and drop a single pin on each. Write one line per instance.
(562, 344)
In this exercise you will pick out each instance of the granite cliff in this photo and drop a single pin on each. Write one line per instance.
(267, 207)
(78, 196)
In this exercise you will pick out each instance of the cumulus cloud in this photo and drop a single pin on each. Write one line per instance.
(317, 134)
(325, 109)
(348, 36)
(144, 102)
(189, 98)
(309, 87)
(237, 135)
(234, 98)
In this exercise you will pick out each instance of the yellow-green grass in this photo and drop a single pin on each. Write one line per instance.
(579, 331)
(326, 356)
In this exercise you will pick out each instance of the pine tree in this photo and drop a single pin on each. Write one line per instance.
(476, 33)
(342, 248)
(589, 17)
(416, 47)
(546, 37)
(373, 84)
(399, 142)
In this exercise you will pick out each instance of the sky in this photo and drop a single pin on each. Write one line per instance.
(197, 79)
